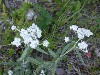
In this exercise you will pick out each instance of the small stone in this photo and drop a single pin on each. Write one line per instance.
(60, 71)
(97, 51)
(31, 15)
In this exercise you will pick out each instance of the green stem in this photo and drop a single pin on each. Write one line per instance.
(67, 51)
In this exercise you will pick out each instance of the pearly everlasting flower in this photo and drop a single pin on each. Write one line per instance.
(42, 72)
(39, 32)
(10, 72)
(87, 32)
(16, 42)
(34, 26)
(67, 39)
(34, 31)
(27, 39)
(83, 46)
(45, 43)
(34, 44)
(74, 27)
(23, 33)
(82, 32)
(13, 27)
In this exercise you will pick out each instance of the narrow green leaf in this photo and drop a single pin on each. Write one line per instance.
(41, 50)
(45, 65)
(11, 51)
(25, 52)
(66, 47)
(52, 53)
(17, 68)
(0, 72)
(39, 68)
(59, 51)
(35, 61)
(54, 67)
(77, 6)
(0, 1)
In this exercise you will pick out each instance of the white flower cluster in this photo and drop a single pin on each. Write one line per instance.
(30, 37)
(16, 42)
(81, 33)
(13, 27)
(42, 72)
(45, 43)
(83, 46)
(10, 72)
(67, 39)
(74, 27)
